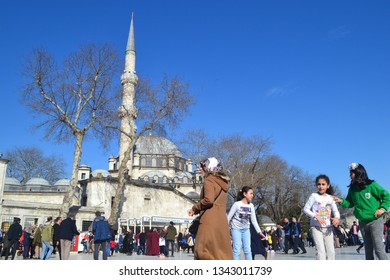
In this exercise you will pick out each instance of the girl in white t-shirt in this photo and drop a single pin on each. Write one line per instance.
(319, 208)
(239, 215)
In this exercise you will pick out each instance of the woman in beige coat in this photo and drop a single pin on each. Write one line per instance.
(212, 241)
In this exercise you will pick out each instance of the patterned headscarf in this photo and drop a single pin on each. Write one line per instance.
(211, 165)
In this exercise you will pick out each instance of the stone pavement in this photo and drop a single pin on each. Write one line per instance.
(345, 253)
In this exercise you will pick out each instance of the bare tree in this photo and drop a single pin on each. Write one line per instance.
(72, 99)
(242, 157)
(158, 108)
(29, 162)
(193, 143)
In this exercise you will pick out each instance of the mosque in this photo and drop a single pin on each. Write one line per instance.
(161, 188)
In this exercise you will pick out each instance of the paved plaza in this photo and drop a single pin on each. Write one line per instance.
(345, 253)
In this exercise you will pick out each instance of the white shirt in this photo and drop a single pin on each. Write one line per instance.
(240, 213)
(322, 205)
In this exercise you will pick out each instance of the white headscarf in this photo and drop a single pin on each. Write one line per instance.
(211, 165)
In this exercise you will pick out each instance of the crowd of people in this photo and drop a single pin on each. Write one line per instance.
(222, 236)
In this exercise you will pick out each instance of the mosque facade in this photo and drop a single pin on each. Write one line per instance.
(161, 187)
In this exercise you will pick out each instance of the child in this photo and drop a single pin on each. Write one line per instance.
(319, 208)
(112, 246)
(239, 215)
(270, 243)
(84, 243)
(161, 243)
(371, 201)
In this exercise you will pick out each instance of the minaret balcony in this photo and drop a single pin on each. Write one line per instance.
(129, 77)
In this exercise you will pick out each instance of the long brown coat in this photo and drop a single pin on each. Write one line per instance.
(213, 238)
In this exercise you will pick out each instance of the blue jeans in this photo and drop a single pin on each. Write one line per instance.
(167, 247)
(47, 249)
(97, 249)
(241, 239)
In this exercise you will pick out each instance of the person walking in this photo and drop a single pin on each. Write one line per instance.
(239, 216)
(319, 208)
(13, 235)
(37, 241)
(66, 231)
(371, 201)
(170, 239)
(47, 239)
(213, 237)
(56, 237)
(102, 235)
(296, 236)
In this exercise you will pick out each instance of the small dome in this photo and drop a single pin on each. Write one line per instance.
(62, 182)
(104, 173)
(193, 195)
(11, 181)
(182, 174)
(156, 146)
(151, 174)
(38, 182)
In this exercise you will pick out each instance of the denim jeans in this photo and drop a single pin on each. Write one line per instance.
(167, 247)
(97, 249)
(47, 249)
(241, 239)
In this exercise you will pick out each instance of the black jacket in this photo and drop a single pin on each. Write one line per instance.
(67, 229)
(14, 232)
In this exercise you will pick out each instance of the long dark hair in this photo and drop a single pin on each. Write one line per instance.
(243, 190)
(330, 190)
(361, 177)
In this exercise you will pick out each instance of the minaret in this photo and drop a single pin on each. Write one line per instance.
(128, 111)
(3, 172)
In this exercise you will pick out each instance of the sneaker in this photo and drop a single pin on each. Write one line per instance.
(358, 251)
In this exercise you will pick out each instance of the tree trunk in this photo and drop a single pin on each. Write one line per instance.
(116, 207)
(70, 195)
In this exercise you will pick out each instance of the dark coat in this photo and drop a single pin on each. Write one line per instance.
(257, 246)
(67, 229)
(14, 232)
(101, 230)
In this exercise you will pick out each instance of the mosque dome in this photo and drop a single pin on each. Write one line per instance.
(12, 181)
(182, 174)
(151, 174)
(156, 145)
(193, 195)
(38, 182)
(62, 182)
(104, 173)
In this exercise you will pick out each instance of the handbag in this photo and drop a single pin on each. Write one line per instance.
(193, 229)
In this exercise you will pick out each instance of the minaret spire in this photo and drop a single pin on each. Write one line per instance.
(130, 40)
(128, 111)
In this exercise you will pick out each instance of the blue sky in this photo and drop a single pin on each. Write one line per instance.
(311, 75)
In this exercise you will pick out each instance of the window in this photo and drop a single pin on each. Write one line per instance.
(6, 223)
(85, 225)
(30, 221)
(83, 176)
